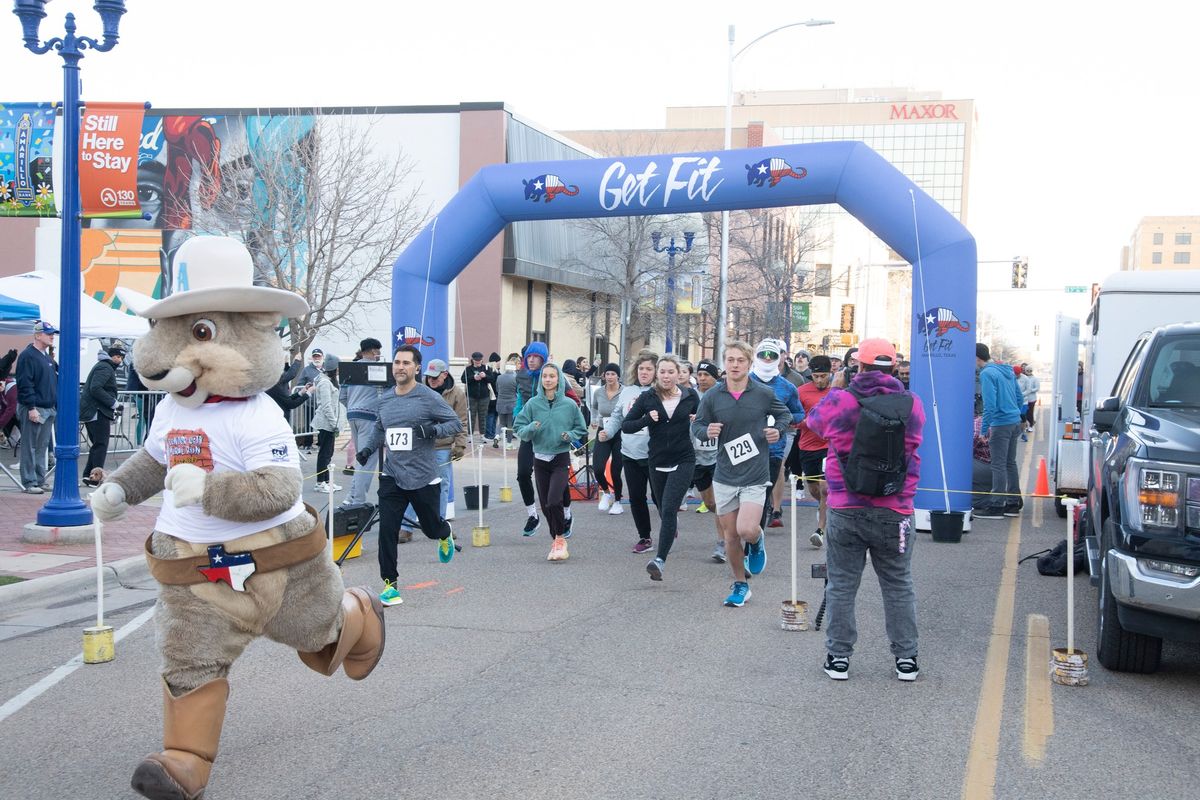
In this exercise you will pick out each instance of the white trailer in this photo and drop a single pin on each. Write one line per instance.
(1069, 450)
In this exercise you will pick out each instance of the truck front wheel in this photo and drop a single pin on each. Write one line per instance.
(1116, 648)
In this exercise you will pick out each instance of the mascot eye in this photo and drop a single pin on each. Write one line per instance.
(204, 330)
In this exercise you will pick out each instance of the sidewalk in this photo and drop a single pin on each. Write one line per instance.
(122, 539)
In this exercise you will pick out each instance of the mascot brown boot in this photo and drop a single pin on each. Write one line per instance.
(360, 644)
(191, 731)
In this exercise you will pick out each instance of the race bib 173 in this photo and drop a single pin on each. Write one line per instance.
(399, 438)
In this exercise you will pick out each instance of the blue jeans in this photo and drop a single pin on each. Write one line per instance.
(1006, 483)
(363, 431)
(851, 534)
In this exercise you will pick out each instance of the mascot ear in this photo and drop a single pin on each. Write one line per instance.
(264, 319)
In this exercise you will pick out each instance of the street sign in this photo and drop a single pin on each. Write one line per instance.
(1074, 289)
(800, 311)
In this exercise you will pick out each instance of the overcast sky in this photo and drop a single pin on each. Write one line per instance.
(1087, 118)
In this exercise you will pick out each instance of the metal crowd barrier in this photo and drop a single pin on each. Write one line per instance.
(136, 412)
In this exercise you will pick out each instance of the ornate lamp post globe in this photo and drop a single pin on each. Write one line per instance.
(65, 507)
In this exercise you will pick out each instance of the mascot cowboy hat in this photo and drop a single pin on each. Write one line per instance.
(214, 272)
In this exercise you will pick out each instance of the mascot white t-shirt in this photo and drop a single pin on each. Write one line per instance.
(232, 434)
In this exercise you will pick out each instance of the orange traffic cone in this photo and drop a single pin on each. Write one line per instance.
(1043, 480)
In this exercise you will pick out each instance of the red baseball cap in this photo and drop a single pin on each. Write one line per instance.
(876, 352)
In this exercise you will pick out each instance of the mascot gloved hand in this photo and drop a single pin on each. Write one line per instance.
(233, 536)
(108, 502)
(186, 482)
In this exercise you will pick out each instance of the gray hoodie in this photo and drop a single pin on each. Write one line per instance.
(745, 416)
(633, 445)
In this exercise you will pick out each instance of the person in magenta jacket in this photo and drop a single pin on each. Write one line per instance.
(860, 524)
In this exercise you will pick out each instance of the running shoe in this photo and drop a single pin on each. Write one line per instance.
(702, 508)
(817, 539)
(739, 594)
(776, 520)
(617, 508)
(531, 525)
(718, 555)
(347, 470)
(446, 548)
(606, 501)
(567, 527)
(655, 568)
(838, 667)
(558, 550)
(643, 546)
(683, 506)
(989, 514)
(756, 560)
(389, 596)
(907, 669)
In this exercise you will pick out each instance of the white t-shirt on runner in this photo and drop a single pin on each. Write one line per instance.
(227, 436)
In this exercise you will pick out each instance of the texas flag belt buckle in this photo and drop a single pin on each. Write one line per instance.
(233, 569)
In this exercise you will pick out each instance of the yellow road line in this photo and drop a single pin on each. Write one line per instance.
(1039, 703)
(979, 783)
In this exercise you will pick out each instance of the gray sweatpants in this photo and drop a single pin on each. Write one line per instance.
(363, 430)
(889, 537)
(35, 445)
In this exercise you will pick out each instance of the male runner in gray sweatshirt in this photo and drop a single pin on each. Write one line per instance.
(745, 417)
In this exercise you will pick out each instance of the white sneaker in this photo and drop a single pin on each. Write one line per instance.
(323, 488)
(684, 505)
(606, 501)
(616, 509)
(335, 487)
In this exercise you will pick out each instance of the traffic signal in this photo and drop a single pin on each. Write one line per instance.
(1020, 271)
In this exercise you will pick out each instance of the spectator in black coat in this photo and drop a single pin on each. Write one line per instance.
(98, 409)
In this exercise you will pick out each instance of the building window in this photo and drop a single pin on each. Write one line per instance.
(1156, 257)
(1183, 258)
(1158, 238)
(539, 336)
(824, 280)
(1183, 238)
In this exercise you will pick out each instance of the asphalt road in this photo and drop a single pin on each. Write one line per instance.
(507, 676)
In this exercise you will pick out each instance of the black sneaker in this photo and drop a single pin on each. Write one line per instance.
(838, 667)
(987, 515)
(567, 527)
(1012, 512)
(906, 669)
(531, 525)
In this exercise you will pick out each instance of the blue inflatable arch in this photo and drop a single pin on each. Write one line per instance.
(847, 173)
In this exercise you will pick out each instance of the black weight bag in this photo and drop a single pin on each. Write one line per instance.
(877, 465)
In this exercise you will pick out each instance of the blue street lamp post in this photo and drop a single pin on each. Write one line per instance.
(671, 249)
(65, 506)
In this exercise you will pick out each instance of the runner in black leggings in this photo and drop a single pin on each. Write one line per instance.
(635, 449)
(534, 356)
(666, 411)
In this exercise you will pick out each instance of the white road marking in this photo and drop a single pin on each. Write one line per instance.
(33, 692)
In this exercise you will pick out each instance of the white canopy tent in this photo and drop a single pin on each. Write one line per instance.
(96, 320)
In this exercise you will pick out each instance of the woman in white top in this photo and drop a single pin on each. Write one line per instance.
(326, 421)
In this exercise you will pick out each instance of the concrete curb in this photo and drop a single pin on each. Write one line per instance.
(58, 534)
(73, 585)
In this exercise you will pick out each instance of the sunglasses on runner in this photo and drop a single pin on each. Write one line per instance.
(768, 355)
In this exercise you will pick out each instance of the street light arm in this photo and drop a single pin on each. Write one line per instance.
(812, 23)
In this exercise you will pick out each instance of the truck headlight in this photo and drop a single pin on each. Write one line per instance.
(1153, 495)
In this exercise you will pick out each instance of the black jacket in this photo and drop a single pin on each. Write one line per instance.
(477, 389)
(99, 395)
(37, 379)
(670, 439)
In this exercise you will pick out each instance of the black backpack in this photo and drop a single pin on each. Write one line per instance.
(877, 465)
(1054, 562)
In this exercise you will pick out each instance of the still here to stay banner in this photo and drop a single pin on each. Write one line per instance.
(26, 139)
(109, 134)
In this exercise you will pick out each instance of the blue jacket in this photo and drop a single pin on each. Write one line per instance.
(37, 379)
(1002, 399)
(528, 379)
(785, 390)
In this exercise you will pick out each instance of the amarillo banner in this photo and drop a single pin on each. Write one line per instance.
(109, 136)
(26, 139)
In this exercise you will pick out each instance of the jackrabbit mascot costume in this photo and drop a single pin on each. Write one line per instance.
(236, 552)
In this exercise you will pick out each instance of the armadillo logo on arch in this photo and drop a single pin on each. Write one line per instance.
(108, 155)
